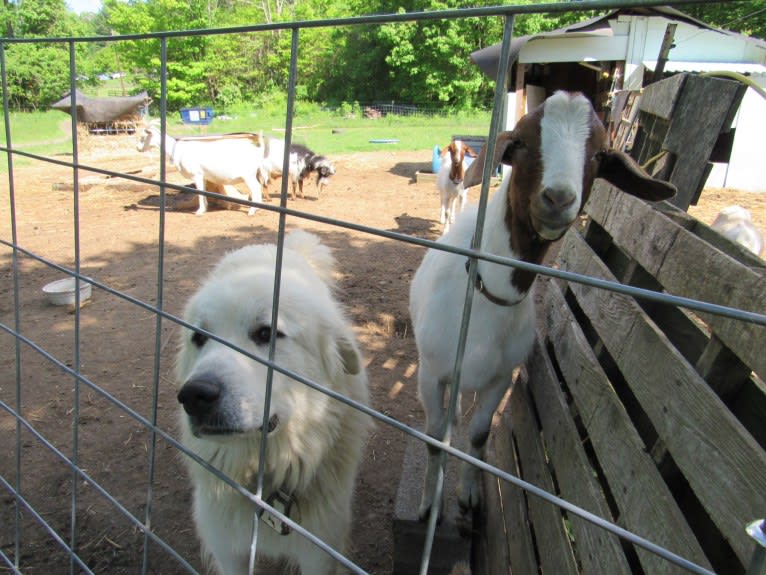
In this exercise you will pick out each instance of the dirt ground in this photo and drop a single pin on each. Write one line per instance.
(119, 234)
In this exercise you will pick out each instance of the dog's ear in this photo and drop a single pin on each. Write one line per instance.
(340, 354)
(349, 355)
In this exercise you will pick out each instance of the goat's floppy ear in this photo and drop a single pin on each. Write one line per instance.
(622, 171)
(503, 149)
(470, 151)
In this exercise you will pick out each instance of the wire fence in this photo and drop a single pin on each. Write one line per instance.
(74, 454)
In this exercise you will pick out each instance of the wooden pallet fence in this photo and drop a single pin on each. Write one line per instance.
(646, 414)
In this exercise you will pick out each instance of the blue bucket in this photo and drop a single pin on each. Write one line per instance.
(436, 161)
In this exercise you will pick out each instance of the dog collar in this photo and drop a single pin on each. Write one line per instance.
(283, 503)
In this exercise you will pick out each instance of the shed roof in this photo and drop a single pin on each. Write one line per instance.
(487, 58)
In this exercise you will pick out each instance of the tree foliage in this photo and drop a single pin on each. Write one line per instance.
(38, 74)
(417, 62)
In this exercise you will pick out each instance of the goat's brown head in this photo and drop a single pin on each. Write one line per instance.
(457, 151)
(556, 152)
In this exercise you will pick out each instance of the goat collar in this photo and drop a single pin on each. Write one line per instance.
(482, 289)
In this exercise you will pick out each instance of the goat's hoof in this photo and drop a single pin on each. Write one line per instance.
(198, 213)
(251, 212)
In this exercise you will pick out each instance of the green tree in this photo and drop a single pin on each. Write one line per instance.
(747, 17)
(38, 74)
(185, 55)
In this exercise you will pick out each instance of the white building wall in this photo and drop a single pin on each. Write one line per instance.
(747, 168)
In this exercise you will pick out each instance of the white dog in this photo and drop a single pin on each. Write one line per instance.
(314, 442)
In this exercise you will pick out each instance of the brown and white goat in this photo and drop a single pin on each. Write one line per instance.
(555, 151)
(449, 180)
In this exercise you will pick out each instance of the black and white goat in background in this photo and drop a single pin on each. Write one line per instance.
(556, 152)
(303, 162)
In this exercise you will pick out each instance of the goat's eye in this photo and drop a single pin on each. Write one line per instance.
(519, 144)
(261, 335)
(198, 339)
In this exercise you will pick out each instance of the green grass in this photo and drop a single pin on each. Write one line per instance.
(48, 133)
(330, 133)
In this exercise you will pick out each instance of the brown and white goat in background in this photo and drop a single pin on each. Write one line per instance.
(555, 151)
(449, 180)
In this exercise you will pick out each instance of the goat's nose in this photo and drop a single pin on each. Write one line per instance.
(199, 395)
(559, 198)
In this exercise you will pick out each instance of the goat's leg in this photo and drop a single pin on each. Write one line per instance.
(487, 400)
(432, 393)
(443, 208)
(256, 192)
(452, 208)
(199, 183)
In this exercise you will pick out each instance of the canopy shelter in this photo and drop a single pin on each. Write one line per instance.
(106, 115)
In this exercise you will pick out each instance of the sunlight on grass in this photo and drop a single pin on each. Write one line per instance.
(324, 131)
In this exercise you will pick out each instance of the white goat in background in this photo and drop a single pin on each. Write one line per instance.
(227, 159)
(556, 152)
(736, 223)
(449, 180)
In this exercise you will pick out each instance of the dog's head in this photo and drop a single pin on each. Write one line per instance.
(223, 390)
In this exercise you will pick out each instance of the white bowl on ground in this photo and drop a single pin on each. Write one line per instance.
(62, 292)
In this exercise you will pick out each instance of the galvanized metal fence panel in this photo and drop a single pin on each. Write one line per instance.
(13, 480)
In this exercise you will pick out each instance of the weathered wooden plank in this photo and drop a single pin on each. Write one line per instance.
(721, 461)
(686, 266)
(659, 99)
(490, 551)
(554, 549)
(712, 237)
(646, 505)
(517, 545)
(597, 550)
(698, 119)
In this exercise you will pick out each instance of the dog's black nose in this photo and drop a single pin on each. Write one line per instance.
(198, 396)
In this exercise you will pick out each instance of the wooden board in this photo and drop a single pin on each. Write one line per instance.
(683, 117)
(685, 265)
(646, 505)
(722, 463)
(517, 547)
(598, 551)
(553, 546)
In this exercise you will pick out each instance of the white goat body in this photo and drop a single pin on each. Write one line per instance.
(556, 152)
(735, 223)
(449, 180)
(223, 160)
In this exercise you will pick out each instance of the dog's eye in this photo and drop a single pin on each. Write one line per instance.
(262, 335)
(199, 339)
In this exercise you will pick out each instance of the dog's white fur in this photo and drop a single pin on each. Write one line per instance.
(315, 446)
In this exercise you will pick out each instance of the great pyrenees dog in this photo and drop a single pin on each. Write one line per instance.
(314, 442)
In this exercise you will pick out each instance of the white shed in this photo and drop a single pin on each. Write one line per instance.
(620, 51)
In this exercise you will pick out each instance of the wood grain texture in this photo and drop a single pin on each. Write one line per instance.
(646, 505)
(721, 461)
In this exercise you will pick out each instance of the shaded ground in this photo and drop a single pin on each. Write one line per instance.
(119, 237)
